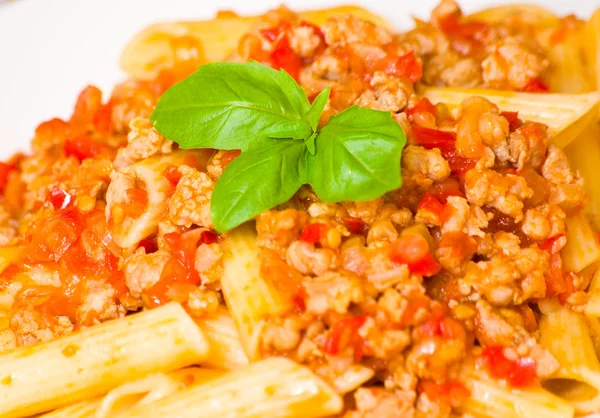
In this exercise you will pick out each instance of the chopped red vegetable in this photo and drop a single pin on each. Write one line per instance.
(513, 119)
(518, 373)
(413, 250)
(423, 105)
(82, 147)
(344, 333)
(313, 233)
(535, 85)
(450, 393)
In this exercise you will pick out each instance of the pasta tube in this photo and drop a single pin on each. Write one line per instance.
(592, 308)
(226, 351)
(136, 393)
(491, 400)
(567, 115)
(155, 48)
(582, 248)
(275, 387)
(567, 335)
(146, 176)
(528, 13)
(251, 299)
(82, 365)
(584, 157)
(592, 47)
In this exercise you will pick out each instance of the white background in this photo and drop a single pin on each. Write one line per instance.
(51, 49)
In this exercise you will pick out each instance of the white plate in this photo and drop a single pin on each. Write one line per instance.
(49, 50)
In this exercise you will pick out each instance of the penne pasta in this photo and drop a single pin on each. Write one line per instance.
(155, 48)
(567, 115)
(226, 351)
(584, 157)
(136, 393)
(489, 399)
(582, 248)
(250, 298)
(566, 335)
(82, 365)
(275, 387)
(146, 176)
(591, 47)
(527, 13)
(592, 308)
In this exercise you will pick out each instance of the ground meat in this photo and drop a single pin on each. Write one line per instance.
(512, 63)
(332, 292)
(512, 275)
(424, 166)
(450, 69)
(143, 141)
(528, 149)
(367, 211)
(131, 99)
(543, 222)
(491, 328)
(143, 270)
(432, 408)
(504, 193)
(190, 204)
(282, 334)
(208, 262)
(350, 30)
(388, 93)
(571, 198)
(219, 161)
(29, 326)
(203, 302)
(278, 229)
(556, 168)
(307, 259)
(99, 302)
(304, 41)
(380, 403)
(444, 9)
(382, 230)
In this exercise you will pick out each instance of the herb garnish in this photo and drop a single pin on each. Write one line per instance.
(266, 114)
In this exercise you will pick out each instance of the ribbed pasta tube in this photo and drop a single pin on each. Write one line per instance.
(85, 364)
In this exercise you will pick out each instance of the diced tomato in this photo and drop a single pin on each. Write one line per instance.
(462, 246)
(415, 304)
(344, 333)
(465, 37)
(552, 244)
(5, 170)
(59, 199)
(82, 147)
(209, 237)
(450, 393)
(513, 119)
(172, 175)
(441, 326)
(283, 56)
(535, 85)
(137, 202)
(299, 299)
(315, 28)
(149, 244)
(228, 157)
(413, 250)
(430, 204)
(54, 236)
(354, 225)
(314, 233)
(285, 278)
(423, 105)
(88, 104)
(275, 32)
(103, 119)
(569, 279)
(446, 188)
(179, 269)
(518, 373)
(433, 138)
(407, 65)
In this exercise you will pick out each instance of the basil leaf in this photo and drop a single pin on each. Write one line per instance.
(257, 180)
(314, 113)
(228, 106)
(289, 129)
(357, 156)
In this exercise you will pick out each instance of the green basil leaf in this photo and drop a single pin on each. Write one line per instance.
(314, 113)
(310, 143)
(228, 105)
(357, 157)
(289, 129)
(259, 179)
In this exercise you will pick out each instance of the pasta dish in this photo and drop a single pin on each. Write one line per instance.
(313, 214)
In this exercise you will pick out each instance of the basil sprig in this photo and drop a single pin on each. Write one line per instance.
(266, 114)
